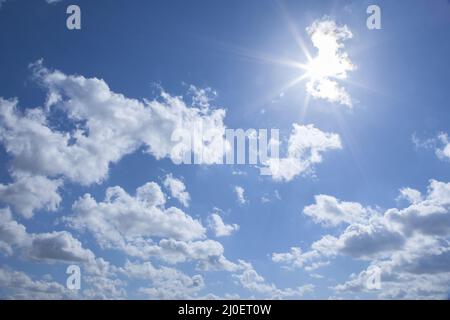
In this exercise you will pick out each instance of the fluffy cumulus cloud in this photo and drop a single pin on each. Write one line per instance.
(52, 246)
(165, 282)
(122, 216)
(332, 62)
(48, 1)
(99, 276)
(240, 195)
(22, 286)
(208, 254)
(101, 127)
(256, 284)
(306, 145)
(59, 246)
(409, 247)
(220, 228)
(141, 226)
(104, 126)
(443, 152)
(29, 193)
(12, 233)
(329, 211)
(177, 189)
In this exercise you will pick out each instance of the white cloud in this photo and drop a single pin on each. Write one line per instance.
(240, 194)
(150, 194)
(12, 234)
(59, 246)
(329, 211)
(219, 228)
(295, 258)
(410, 195)
(166, 283)
(54, 246)
(105, 127)
(209, 254)
(20, 286)
(121, 216)
(440, 144)
(134, 225)
(444, 151)
(331, 63)
(410, 246)
(29, 193)
(104, 288)
(177, 189)
(254, 282)
(305, 147)
(102, 127)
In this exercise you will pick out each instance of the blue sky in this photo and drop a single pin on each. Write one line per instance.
(101, 103)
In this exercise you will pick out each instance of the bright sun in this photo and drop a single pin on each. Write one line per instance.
(316, 69)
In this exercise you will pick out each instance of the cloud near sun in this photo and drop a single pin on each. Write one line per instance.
(331, 64)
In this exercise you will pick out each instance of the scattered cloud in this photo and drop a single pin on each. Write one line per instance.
(166, 283)
(409, 246)
(53, 246)
(177, 189)
(219, 228)
(240, 194)
(30, 193)
(133, 225)
(440, 144)
(410, 195)
(21, 286)
(305, 147)
(332, 62)
(255, 283)
(106, 126)
(121, 216)
(329, 211)
(443, 152)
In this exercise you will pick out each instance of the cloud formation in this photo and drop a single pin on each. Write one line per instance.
(177, 189)
(255, 283)
(332, 62)
(240, 194)
(106, 126)
(305, 147)
(30, 193)
(121, 216)
(410, 246)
